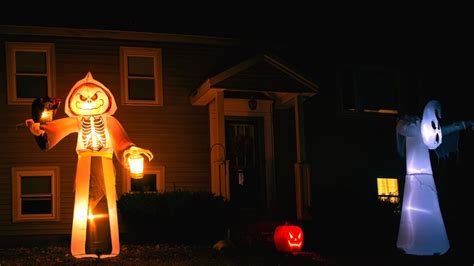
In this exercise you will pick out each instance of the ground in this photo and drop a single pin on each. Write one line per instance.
(162, 254)
(167, 254)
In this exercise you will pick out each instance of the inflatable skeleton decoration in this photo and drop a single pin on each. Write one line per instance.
(90, 106)
(422, 230)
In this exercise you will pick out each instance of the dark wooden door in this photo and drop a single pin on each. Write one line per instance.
(244, 145)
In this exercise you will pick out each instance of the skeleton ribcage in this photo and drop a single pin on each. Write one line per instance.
(93, 133)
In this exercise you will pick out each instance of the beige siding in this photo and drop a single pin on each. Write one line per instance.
(177, 133)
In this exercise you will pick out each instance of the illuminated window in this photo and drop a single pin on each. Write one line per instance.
(30, 71)
(388, 189)
(366, 89)
(141, 71)
(35, 192)
(153, 181)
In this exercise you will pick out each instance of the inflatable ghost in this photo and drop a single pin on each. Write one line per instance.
(422, 230)
(90, 106)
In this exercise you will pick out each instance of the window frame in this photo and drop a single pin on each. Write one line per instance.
(154, 53)
(359, 108)
(159, 171)
(17, 173)
(10, 51)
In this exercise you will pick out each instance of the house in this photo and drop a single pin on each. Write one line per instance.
(217, 116)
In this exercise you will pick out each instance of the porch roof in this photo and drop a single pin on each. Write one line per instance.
(263, 73)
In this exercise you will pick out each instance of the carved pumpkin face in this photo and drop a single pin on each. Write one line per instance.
(89, 97)
(295, 241)
(288, 238)
(430, 128)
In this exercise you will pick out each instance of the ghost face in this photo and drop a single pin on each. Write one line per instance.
(89, 99)
(430, 127)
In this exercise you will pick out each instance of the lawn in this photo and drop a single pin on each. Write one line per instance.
(170, 254)
(163, 254)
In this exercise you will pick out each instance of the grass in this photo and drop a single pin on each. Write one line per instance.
(163, 254)
(174, 254)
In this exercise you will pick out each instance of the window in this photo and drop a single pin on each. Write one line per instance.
(152, 181)
(35, 192)
(142, 82)
(368, 89)
(30, 71)
(388, 189)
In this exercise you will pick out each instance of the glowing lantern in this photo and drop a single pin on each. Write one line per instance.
(46, 116)
(43, 109)
(136, 166)
(288, 238)
(90, 106)
(135, 161)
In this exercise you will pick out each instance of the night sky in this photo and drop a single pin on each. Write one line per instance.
(302, 34)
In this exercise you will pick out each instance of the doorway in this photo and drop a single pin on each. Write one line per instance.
(245, 153)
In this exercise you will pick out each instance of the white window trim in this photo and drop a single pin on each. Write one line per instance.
(159, 171)
(154, 53)
(10, 51)
(17, 173)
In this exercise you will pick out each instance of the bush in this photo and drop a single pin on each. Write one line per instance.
(180, 216)
(344, 222)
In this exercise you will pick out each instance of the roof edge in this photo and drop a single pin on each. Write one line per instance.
(115, 35)
(271, 59)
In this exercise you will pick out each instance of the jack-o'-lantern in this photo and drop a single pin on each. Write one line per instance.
(288, 238)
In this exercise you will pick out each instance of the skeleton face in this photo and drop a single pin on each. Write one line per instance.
(89, 97)
(430, 127)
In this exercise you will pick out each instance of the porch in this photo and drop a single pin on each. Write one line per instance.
(243, 101)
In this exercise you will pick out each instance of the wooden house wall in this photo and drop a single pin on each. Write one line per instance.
(177, 133)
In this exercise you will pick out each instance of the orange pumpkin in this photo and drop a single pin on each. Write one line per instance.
(288, 238)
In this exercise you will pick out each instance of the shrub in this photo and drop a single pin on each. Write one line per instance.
(178, 216)
(341, 218)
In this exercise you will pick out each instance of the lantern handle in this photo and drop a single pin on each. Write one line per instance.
(135, 151)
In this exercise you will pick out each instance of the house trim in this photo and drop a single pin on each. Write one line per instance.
(204, 94)
(313, 88)
(159, 171)
(219, 108)
(115, 35)
(154, 53)
(10, 49)
(239, 107)
(17, 173)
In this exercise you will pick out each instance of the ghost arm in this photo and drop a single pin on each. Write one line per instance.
(456, 126)
(408, 128)
(450, 142)
(48, 135)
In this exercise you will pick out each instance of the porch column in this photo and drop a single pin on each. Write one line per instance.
(302, 168)
(219, 179)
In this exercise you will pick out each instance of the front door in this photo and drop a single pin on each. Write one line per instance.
(244, 145)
